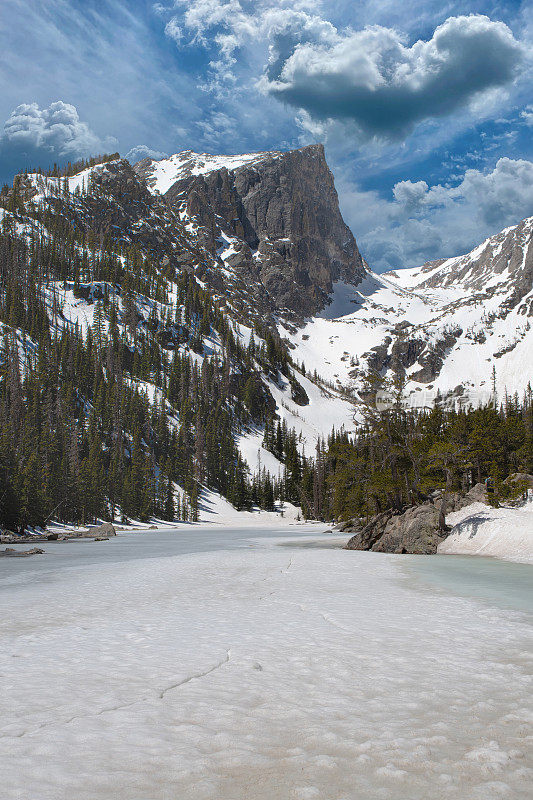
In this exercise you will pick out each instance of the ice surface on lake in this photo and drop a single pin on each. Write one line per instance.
(260, 673)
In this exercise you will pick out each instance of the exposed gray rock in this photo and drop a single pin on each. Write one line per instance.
(103, 531)
(414, 531)
(477, 494)
(520, 478)
(7, 537)
(349, 526)
(283, 207)
(10, 553)
(505, 253)
(370, 533)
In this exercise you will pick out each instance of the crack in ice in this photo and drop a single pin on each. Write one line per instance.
(120, 706)
(196, 676)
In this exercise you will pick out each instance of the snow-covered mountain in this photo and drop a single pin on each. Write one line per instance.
(238, 274)
(272, 220)
(105, 225)
(455, 327)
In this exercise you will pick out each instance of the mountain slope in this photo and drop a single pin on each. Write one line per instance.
(132, 378)
(202, 323)
(456, 327)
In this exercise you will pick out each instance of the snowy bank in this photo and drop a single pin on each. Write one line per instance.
(481, 530)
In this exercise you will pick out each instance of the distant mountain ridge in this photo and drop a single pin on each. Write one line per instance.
(458, 328)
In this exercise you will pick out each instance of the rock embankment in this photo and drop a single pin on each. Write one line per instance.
(100, 532)
(10, 553)
(417, 530)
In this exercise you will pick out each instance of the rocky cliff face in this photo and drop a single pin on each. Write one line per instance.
(272, 218)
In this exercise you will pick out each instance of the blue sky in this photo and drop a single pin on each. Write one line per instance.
(425, 107)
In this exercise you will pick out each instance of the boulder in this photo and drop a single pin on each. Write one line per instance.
(457, 501)
(414, 531)
(105, 530)
(101, 539)
(370, 533)
(349, 526)
(520, 479)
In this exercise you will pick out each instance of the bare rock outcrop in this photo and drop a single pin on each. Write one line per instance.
(10, 553)
(103, 531)
(281, 210)
(417, 530)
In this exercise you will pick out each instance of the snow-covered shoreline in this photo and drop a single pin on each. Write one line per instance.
(480, 530)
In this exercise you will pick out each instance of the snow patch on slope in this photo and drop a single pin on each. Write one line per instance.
(481, 530)
(186, 164)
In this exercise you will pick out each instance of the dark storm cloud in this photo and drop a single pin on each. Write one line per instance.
(372, 78)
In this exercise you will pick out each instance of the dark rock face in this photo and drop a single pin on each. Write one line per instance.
(407, 350)
(415, 531)
(283, 208)
(298, 393)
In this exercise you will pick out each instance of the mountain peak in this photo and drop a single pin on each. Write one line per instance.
(161, 174)
(272, 217)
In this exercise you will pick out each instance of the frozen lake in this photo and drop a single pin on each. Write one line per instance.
(212, 664)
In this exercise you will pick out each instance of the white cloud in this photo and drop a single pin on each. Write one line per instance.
(422, 222)
(174, 31)
(371, 83)
(527, 115)
(101, 57)
(278, 27)
(35, 136)
(141, 151)
(372, 78)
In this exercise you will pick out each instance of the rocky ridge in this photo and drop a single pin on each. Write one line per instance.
(272, 219)
(455, 330)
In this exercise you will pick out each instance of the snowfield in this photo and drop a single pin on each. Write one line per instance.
(470, 296)
(481, 530)
(255, 673)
